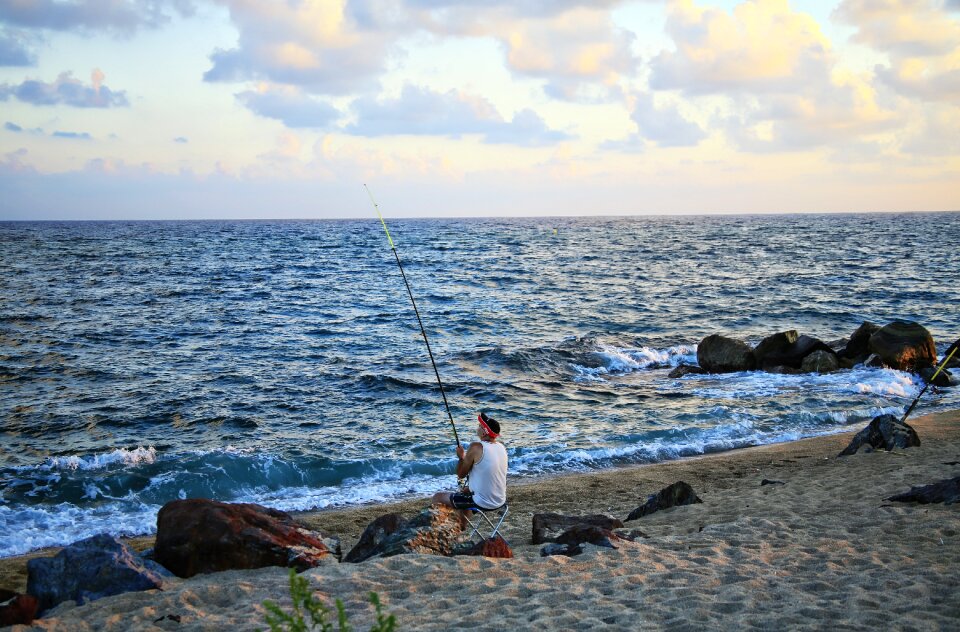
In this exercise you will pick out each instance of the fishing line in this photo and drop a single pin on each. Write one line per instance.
(416, 311)
(946, 359)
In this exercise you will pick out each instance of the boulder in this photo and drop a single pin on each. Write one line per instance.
(434, 531)
(858, 347)
(548, 526)
(905, 346)
(787, 349)
(374, 536)
(820, 362)
(17, 609)
(588, 534)
(719, 354)
(944, 379)
(685, 369)
(885, 432)
(206, 536)
(93, 568)
(561, 549)
(671, 496)
(945, 491)
(489, 547)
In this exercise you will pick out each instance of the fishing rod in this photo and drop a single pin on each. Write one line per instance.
(946, 359)
(416, 311)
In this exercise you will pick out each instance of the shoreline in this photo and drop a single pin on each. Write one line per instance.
(615, 492)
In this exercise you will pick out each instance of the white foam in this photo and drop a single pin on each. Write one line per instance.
(617, 360)
(120, 456)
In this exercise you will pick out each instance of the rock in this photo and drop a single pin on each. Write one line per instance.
(685, 369)
(719, 354)
(885, 432)
(630, 534)
(903, 345)
(787, 349)
(945, 491)
(588, 534)
(561, 549)
(768, 481)
(944, 379)
(820, 362)
(873, 361)
(489, 547)
(206, 536)
(96, 567)
(858, 348)
(671, 496)
(434, 531)
(374, 536)
(547, 526)
(17, 609)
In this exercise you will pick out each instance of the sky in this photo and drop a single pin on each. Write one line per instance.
(180, 109)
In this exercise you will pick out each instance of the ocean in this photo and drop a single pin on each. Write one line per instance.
(280, 362)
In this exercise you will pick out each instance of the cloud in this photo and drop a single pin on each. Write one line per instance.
(921, 39)
(72, 135)
(290, 105)
(665, 125)
(12, 127)
(420, 111)
(317, 46)
(15, 48)
(122, 16)
(939, 134)
(66, 90)
(182, 140)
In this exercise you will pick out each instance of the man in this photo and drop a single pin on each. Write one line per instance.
(485, 461)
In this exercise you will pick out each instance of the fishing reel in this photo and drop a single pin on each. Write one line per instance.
(463, 484)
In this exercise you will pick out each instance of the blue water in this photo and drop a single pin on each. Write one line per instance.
(281, 362)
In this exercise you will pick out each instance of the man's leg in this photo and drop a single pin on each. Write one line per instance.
(443, 498)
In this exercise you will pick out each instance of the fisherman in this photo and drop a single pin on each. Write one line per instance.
(485, 461)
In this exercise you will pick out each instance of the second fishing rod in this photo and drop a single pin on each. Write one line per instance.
(423, 331)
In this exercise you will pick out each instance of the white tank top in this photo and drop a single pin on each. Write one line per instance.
(488, 476)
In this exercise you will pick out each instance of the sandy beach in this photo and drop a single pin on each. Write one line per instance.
(822, 550)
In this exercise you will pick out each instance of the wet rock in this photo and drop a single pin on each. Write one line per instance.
(434, 531)
(873, 361)
(548, 526)
(685, 369)
(374, 536)
(206, 536)
(768, 481)
(719, 354)
(904, 345)
(944, 379)
(489, 547)
(93, 568)
(674, 495)
(885, 432)
(945, 491)
(858, 348)
(787, 349)
(17, 609)
(820, 362)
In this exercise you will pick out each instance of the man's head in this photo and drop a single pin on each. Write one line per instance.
(489, 427)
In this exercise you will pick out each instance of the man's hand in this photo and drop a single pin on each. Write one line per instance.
(460, 452)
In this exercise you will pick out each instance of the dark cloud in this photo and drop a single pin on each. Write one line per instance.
(72, 135)
(292, 107)
(65, 90)
(12, 127)
(665, 126)
(422, 112)
(124, 16)
(16, 48)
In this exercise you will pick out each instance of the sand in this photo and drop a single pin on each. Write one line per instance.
(823, 550)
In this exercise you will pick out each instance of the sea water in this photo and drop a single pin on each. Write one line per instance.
(281, 362)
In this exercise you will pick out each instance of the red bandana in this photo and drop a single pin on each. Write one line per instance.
(493, 435)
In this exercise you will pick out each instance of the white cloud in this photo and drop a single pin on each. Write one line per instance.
(290, 105)
(66, 90)
(665, 125)
(124, 16)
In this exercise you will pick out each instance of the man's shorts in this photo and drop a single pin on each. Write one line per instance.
(462, 500)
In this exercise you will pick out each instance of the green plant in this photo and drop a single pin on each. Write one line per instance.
(305, 602)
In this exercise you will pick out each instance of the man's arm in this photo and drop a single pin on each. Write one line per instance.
(470, 457)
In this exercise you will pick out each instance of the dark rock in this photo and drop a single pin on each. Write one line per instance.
(905, 346)
(783, 370)
(547, 526)
(17, 609)
(944, 379)
(434, 531)
(858, 348)
(374, 536)
(93, 568)
(671, 496)
(588, 534)
(719, 354)
(945, 491)
(768, 481)
(685, 369)
(787, 349)
(561, 549)
(206, 536)
(885, 432)
(630, 534)
(873, 361)
(820, 361)
(489, 547)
